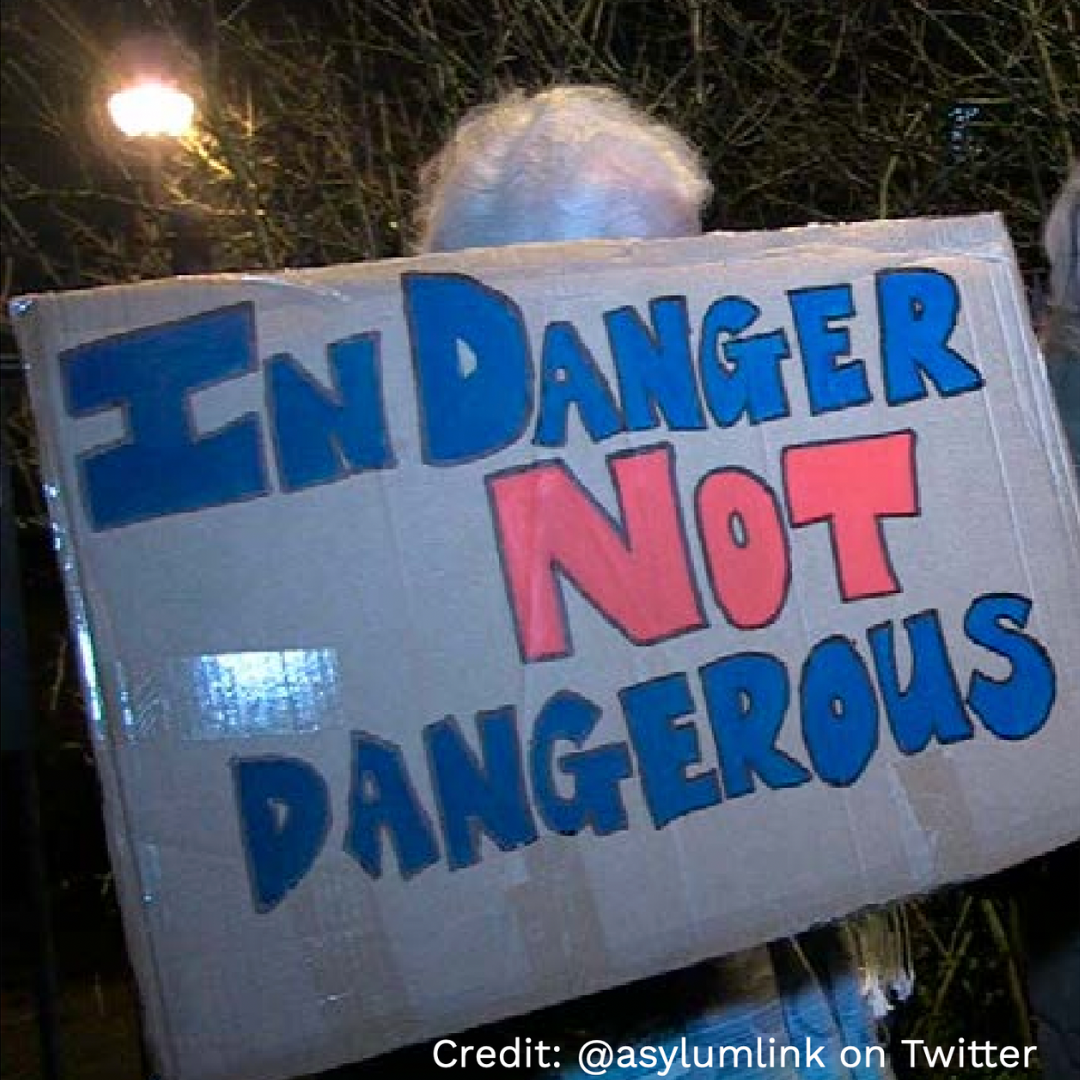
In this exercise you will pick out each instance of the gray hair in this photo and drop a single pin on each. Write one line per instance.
(570, 163)
(1061, 238)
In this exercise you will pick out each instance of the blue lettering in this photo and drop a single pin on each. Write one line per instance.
(747, 697)
(569, 376)
(930, 704)
(829, 386)
(839, 711)
(918, 309)
(162, 467)
(382, 798)
(653, 366)
(747, 381)
(596, 799)
(665, 749)
(321, 436)
(491, 795)
(467, 414)
(1017, 706)
(284, 819)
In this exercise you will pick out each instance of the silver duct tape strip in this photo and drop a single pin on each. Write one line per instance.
(232, 695)
(933, 817)
(351, 968)
(557, 951)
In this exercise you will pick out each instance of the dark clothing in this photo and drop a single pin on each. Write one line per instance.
(1065, 380)
(1050, 894)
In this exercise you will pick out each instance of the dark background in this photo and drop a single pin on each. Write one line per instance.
(314, 119)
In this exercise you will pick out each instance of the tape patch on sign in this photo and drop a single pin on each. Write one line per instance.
(233, 695)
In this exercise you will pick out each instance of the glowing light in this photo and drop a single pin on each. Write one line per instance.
(152, 108)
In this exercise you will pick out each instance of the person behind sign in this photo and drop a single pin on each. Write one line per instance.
(1050, 887)
(1060, 330)
(575, 163)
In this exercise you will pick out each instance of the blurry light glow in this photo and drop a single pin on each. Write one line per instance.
(152, 108)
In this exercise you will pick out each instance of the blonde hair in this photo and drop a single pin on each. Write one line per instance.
(568, 163)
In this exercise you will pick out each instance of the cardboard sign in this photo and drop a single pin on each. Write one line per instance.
(467, 633)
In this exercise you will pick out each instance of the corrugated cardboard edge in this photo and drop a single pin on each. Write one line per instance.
(133, 890)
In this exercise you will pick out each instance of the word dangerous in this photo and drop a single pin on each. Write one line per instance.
(548, 775)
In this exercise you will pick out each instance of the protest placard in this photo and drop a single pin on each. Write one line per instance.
(467, 633)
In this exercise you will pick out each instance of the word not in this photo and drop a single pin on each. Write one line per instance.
(285, 805)
(470, 410)
(637, 571)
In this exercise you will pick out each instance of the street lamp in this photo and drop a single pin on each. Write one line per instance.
(156, 113)
(150, 108)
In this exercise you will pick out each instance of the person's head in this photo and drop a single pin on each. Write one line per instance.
(1061, 238)
(570, 163)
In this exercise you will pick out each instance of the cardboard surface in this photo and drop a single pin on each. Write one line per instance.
(468, 633)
